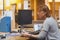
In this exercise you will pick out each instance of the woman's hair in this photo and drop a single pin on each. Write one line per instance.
(45, 9)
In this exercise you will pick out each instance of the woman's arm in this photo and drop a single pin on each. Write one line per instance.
(42, 34)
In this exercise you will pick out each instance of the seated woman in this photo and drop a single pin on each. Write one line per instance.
(50, 28)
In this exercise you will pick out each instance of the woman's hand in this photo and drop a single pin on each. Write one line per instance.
(26, 34)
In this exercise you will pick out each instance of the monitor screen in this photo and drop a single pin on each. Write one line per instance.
(24, 17)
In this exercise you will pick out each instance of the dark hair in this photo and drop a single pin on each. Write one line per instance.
(45, 9)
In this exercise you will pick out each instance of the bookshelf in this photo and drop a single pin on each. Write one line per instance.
(56, 12)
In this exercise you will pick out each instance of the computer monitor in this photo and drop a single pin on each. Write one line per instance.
(24, 17)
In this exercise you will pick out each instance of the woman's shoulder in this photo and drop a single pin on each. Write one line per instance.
(48, 20)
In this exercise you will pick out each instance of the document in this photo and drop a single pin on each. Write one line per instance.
(37, 27)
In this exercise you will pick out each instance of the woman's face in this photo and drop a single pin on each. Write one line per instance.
(41, 14)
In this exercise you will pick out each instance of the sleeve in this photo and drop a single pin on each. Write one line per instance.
(42, 35)
(45, 26)
(44, 31)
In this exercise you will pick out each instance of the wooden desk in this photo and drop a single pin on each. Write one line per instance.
(12, 37)
(15, 38)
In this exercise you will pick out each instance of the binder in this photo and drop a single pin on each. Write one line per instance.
(5, 24)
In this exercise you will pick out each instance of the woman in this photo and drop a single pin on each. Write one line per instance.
(50, 27)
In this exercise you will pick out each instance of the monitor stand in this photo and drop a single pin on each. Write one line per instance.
(21, 29)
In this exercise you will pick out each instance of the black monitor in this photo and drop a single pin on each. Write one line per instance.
(24, 17)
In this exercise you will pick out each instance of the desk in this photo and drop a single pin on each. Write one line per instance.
(9, 36)
(14, 38)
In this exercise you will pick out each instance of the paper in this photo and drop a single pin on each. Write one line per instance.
(26, 4)
(13, 34)
(8, 13)
(37, 27)
(7, 2)
(1, 4)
